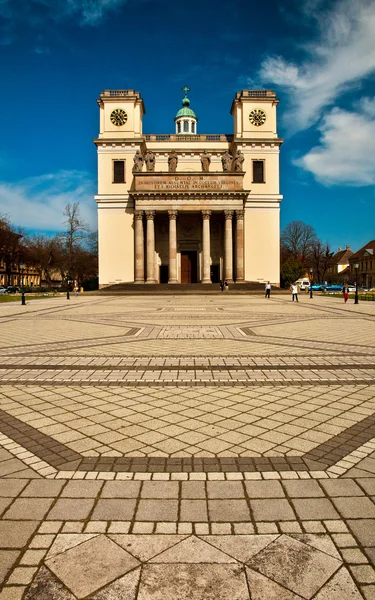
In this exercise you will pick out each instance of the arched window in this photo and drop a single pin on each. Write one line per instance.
(179, 127)
(186, 126)
(192, 127)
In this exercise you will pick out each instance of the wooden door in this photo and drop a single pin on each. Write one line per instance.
(188, 267)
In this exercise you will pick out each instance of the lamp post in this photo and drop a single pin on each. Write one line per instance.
(311, 282)
(67, 288)
(22, 268)
(356, 267)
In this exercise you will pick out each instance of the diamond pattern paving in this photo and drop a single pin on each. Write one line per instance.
(187, 447)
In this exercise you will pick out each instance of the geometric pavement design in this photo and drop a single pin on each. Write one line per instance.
(187, 446)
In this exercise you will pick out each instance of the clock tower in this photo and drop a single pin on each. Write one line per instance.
(121, 113)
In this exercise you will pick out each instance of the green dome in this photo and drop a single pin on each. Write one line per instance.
(186, 111)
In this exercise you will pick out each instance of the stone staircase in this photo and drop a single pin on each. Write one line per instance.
(133, 289)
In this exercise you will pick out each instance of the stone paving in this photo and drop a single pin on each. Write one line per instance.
(187, 447)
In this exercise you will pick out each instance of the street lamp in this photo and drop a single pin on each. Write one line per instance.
(311, 282)
(67, 288)
(356, 267)
(22, 268)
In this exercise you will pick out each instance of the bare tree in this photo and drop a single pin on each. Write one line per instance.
(73, 238)
(297, 241)
(321, 259)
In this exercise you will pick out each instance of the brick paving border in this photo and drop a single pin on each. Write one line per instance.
(61, 457)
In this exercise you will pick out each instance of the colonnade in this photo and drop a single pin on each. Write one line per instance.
(151, 276)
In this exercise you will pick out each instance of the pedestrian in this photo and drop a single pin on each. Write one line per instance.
(226, 286)
(268, 290)
(294, 290)
(345, 291)
(221, 285)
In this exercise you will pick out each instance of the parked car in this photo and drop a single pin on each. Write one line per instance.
(3, 290)
(317, 287)
(12, 289)
(333, 288)
(302, 283)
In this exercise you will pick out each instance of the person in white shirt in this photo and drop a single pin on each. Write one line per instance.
(268, 289)
(294, 290)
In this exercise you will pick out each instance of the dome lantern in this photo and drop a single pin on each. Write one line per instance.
(186, 119)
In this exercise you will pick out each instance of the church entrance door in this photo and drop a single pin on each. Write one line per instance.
(189, 266)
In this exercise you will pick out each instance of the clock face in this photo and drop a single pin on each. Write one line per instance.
(118, 117)
(257, 117)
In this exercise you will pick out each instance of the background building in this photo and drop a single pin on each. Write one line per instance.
(188, 207)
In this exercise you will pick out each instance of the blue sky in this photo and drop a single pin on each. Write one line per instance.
(319, 56)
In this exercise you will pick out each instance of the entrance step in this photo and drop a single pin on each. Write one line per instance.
(180, 288)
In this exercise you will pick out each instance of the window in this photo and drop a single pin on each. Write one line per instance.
(258, 171)
(118, 171)
(186, 126)
(179, 127)
(192, 127)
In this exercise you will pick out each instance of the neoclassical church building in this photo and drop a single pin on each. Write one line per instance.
(188, 207)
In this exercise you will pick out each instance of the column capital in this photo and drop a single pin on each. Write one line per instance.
(150, 214)
(239, 214)
(138, 214)
(206, 214)
(228, 214)
(172, 214)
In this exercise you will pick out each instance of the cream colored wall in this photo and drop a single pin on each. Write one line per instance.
(116, 244)
(105, 170)
(262, 245)
(271, 170)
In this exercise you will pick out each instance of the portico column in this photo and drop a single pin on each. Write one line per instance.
(172, 246)
(228, 246)
(139, 247)
(239, 247)
(206, 274)
(150, 266)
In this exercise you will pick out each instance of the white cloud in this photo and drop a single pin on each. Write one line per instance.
(38, 202)
(347, 148)
(341, 56)
(85, 12)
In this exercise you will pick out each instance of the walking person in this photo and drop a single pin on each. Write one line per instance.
(226, 286)
(221, 285)
(268, 290)
(294, 290)
(345, 291)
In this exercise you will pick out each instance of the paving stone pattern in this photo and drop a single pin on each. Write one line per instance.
(187, 447)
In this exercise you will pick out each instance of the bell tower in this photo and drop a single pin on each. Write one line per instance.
(254, 114)
(121, 113)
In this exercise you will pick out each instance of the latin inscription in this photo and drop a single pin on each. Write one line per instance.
(188, 183)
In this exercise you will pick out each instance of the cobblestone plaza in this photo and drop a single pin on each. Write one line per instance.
(193, 447)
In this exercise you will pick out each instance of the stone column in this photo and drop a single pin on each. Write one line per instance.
(239, 247)
(150, 266)
(172, 275)
(139, 266)
(228, 246)
(206, 274)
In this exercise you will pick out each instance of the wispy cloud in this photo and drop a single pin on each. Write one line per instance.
(346, 152)
(38, 202)
(342, 54)
(38, 12)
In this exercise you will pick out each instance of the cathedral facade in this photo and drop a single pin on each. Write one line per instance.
(188, 207)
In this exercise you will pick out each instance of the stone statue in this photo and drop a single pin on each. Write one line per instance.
(150, 160)
(226, 161)
(205, 161)
(238, 161)
(172, 161)
(138, 162)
